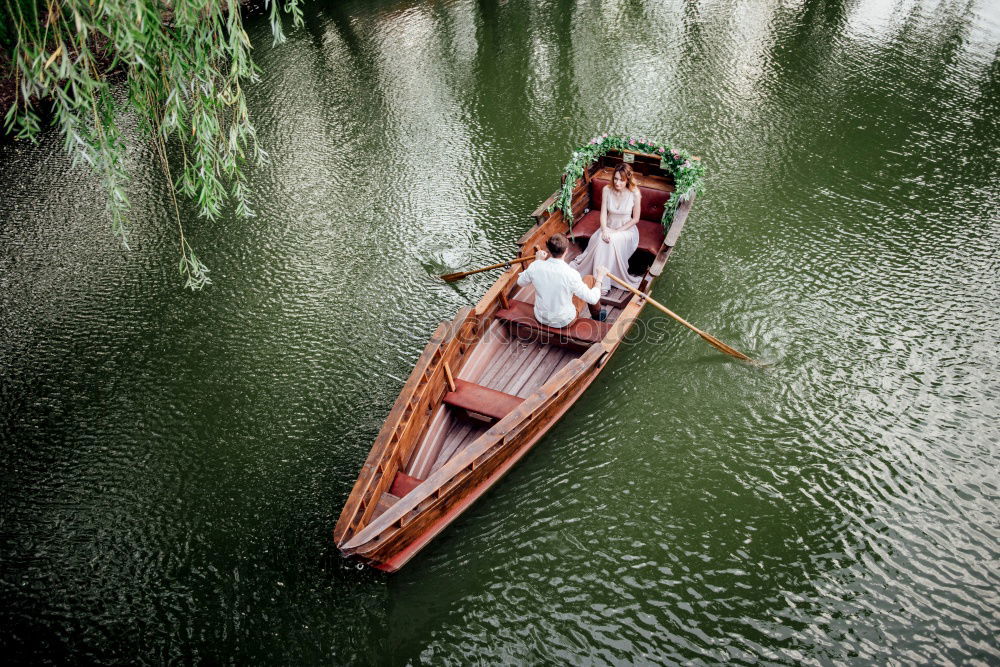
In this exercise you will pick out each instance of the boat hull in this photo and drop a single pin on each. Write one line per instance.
(387, 534)
(395, 557)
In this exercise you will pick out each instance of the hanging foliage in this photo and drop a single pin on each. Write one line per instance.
(185, 62)
(687, 170)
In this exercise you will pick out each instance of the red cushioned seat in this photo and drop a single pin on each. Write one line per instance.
(653, 201)
(651, 234)
(482, 400)
(581, 329)
(650, 224)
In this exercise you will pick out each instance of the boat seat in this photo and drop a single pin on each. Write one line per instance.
(616, 298)
(403, 484)
(650, 224)
(482, 400)
(583, 329)
(651, 234)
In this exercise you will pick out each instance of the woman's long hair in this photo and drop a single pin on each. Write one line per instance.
(625, 170)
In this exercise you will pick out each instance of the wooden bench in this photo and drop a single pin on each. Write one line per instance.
(581, 332)
(616, 298)
(403, 484)
(482, 400)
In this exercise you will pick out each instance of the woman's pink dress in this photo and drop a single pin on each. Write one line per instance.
(613, 254)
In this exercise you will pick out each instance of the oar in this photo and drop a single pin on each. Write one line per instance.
(712, 340)
(452, 277)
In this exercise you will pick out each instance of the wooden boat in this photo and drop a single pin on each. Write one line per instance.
(492, 381)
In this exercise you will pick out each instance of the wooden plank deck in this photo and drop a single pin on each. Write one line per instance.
(501, 362)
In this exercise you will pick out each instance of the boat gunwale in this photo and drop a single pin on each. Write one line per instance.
(368, 484)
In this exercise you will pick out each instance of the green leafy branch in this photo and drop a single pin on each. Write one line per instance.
(185, 62)
(687, 170)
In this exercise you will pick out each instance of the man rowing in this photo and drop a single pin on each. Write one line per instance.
(560, 292)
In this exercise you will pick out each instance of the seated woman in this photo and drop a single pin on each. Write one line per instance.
(618, 237)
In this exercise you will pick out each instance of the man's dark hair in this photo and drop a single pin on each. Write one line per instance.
(557, 245)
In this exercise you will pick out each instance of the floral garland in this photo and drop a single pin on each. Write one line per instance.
(687, 170)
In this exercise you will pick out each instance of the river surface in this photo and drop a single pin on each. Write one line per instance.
(174, 462)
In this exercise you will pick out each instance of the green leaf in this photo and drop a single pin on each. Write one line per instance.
(182, 75)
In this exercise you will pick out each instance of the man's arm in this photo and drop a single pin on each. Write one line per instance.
(589, 294)
(524, 278)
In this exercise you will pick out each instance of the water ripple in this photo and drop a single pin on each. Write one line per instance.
(174, 462)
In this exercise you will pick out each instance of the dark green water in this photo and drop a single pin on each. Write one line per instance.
(173, 463)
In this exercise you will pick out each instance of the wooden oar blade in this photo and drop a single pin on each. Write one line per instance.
(711, 340)
(718, 344)
(452, 277)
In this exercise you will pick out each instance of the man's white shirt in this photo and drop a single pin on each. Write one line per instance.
(555, 285)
